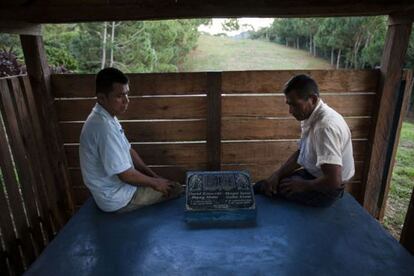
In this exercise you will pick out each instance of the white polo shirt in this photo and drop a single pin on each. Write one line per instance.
(104, 152)
(326, 139)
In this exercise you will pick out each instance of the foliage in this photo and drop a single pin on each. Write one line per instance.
(86, 45)
(355, 42)
(9, 64)
(10, 43)
(57, 40)
(231, 24)
(144, 46)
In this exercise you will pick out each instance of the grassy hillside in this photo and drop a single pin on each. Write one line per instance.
(226, 54)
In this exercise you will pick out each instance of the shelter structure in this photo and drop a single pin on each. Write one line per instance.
(205, 120)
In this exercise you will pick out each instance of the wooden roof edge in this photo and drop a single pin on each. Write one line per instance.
(21, 28)
(175, 9)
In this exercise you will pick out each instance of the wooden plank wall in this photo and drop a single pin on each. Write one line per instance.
(28, 209)
(167, 119)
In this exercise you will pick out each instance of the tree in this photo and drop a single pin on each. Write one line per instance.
(10, 43)
(231, 24)
(374, 44)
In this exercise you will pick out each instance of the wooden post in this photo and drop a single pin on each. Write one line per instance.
(407, 234)
(214, 120)
(403, 100)
(378, 165)
(39, 75)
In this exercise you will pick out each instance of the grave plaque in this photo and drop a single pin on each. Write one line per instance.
(221, 198)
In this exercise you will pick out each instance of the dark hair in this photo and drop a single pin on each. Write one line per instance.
(304, 85)
(107, 77)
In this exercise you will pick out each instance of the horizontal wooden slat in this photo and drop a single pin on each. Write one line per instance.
(258, 172)
(195, 107)
(83, 85)
(232, 129)
(81, 194)
(258, 128)
(195, 153)
(273, 152)
(275, 106)
(274, 81)
(175, 173)
(139, 108)
(156, 154)
(147, 131)
(262, 171)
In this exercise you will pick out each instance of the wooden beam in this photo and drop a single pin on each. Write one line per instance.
(405, 16)
(103, 10)
(16, 27)
(13, 3)
(39, 75)
(214, 121)
(382, 136)
(407, 234)
(403, 100)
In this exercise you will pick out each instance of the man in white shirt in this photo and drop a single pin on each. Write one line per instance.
(317, 172)
(112, 170)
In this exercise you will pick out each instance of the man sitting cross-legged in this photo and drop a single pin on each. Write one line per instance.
(112, 170)
(316, 173)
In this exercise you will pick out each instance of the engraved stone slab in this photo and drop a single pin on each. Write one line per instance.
(219, 197)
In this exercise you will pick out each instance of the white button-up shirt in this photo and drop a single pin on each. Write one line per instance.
(104, 152)
(326, 139)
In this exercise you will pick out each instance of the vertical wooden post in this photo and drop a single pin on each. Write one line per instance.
(402, 104)
(39, 75)
(214, 120)
(407, 234)
(378, 165)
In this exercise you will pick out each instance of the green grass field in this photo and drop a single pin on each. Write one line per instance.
(402, 182)
(227, 54)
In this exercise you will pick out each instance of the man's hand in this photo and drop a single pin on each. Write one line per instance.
(272, 184)
(290, 186)
(163, 186)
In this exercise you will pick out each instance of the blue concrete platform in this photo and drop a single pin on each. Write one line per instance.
(288, 240)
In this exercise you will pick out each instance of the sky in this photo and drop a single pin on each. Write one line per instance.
(216, 27)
